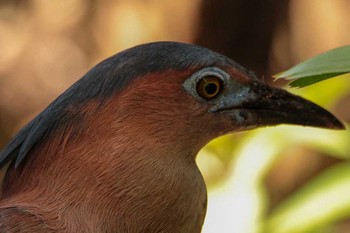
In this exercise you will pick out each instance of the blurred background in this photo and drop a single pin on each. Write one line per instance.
(277, 180)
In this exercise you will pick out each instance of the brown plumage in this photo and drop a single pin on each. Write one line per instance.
(116, 152)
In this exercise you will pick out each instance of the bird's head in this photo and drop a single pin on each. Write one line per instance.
(166, 94)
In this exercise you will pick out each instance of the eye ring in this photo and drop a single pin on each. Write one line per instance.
(192, 84)
(208, 87)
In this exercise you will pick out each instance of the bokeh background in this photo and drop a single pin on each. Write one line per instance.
(275, 180)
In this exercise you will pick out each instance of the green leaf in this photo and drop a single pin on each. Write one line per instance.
(319, 203)
(306, 81)
(324, 66)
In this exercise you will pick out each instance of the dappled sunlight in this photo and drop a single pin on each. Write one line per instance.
(316, 205)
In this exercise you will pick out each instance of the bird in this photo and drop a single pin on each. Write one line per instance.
(116, 151)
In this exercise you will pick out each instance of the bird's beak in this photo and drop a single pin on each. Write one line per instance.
(262, 105)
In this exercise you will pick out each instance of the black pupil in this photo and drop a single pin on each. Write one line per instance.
(211, 88)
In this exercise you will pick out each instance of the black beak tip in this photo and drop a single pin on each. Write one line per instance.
(315, 116)
(305, 112)
(337, 124)
(320, 116)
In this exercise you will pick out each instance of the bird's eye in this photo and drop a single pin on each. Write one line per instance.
(209, 87)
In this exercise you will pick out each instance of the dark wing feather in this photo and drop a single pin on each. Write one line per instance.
(25, 139)
(10, 152)
(39, 127)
